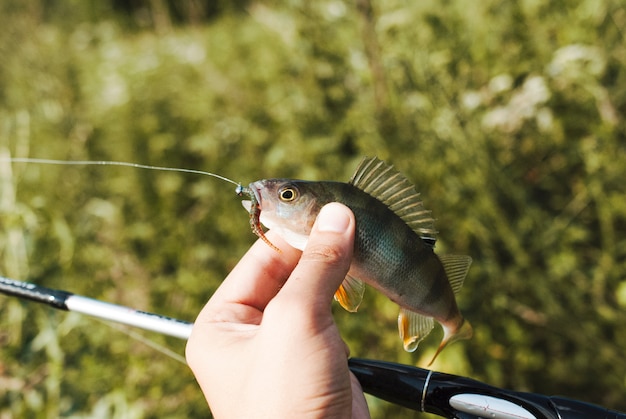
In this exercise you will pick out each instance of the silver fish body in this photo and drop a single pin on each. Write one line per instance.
(393, 250)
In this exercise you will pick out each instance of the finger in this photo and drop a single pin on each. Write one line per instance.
(256, 278)
(359, 404)
(326, 258)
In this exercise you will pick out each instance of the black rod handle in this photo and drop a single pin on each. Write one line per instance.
(452, 396)
(54, 298)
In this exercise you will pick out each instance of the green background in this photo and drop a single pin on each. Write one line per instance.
(508, 117)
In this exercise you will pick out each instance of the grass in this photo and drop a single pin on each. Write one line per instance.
(508, 118)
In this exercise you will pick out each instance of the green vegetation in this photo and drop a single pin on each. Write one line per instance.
(508, 116)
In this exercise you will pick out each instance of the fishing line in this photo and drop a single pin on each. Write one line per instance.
(240, 190)
(149, 343)
(115, 163)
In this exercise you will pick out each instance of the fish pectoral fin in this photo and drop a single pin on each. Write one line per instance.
(350, 293)
(456, 267)
(413, 328)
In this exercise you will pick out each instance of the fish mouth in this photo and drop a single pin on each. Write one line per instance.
(257, 194)
(254, 208)
(253, 193)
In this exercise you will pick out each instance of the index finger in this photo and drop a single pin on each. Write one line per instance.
(256, 278)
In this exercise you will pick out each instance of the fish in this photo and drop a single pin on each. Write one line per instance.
(393, 248)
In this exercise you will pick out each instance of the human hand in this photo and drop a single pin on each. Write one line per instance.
(266, 344)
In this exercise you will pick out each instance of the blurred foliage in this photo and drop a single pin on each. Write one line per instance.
(509, 117)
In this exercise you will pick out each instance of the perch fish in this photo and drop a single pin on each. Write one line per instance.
(393, 249)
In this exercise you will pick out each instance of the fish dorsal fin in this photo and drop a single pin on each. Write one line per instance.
(350, 293)
(456, 267)
(385, 183)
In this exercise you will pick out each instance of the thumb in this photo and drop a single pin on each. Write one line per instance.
(326, 258)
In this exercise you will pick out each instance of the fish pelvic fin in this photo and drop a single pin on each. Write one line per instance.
(464, 332)
(456, 267)
(413, 328)
(350, 293)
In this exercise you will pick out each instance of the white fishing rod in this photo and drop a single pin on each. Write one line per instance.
(64, 300)
(419, 389)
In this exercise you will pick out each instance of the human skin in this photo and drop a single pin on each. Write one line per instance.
(266, 344)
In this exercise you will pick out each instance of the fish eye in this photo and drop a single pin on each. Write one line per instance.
(287, 193)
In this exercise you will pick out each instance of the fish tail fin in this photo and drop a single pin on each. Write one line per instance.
(464, 332)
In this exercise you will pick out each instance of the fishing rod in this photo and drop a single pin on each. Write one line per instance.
(419, 389)
(67, 301)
